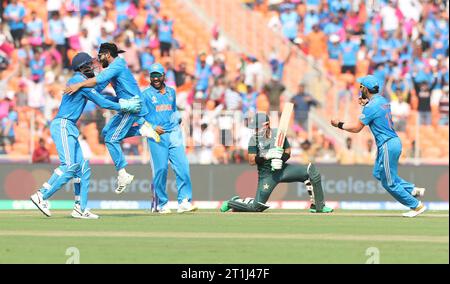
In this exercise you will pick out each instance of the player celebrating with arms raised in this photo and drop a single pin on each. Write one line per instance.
(65, 134)
(117, 73)
(272, 170)
(377, 115)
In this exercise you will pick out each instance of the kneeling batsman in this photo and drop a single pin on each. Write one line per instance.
(273, 169)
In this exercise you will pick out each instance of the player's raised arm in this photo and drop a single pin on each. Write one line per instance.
(353, 127)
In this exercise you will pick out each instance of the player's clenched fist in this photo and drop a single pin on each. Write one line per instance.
(274, 153)
(334, 122)
(276, 164)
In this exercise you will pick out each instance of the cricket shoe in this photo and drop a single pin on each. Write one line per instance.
(186, 206)
(325, 209)
(225, 207)
(77, 213)
(40, 203)
(147, 130)
(418, 192)
(123, 181)
(415, 212)
(165, 210)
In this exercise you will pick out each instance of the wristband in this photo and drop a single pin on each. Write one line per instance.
(340, 125)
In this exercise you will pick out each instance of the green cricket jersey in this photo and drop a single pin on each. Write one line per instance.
(260, 145)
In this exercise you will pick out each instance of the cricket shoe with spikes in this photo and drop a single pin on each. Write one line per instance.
(123, 180)
(40, 203)
(86, 214)
(186, 206)
(165, 210)
(225, 207)
(325, 209)
(415, 212)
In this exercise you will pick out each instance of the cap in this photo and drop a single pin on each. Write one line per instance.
(370, 82)
(156, 68)
(111, 48)
(80, 59)
(258, 120)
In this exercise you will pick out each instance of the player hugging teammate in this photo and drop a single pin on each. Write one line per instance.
(273, 169)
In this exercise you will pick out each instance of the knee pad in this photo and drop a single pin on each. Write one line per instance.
(313, 173)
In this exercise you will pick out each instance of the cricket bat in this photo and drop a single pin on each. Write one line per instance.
(283, 125)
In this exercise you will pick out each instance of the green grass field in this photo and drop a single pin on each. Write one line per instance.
(210, 237)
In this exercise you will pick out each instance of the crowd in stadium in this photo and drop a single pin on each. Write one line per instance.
(403, 43)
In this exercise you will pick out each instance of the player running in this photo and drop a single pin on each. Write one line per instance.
(273, 169)
(161, 103)
(377, 115)
(65, 134)
(120, 126)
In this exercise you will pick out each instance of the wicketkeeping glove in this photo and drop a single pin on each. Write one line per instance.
(132, 105)
(276, 164)
(274, 153)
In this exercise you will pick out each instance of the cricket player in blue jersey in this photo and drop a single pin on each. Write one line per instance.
(163, 115)
(377, 115)
(65, 135)
(120, 126)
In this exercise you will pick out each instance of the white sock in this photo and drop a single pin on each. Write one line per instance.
(122, 172)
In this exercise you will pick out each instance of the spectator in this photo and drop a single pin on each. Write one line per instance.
(35, 30)
(326, 153)
(37, 65)
(147, 59)
(233, 100)
(249, 101)
(14, 14)
(203, 75)
(349, 49)
(277, 64)
(347, 156)
(334, 48)
(56, 33)
(254, 73)
(165, 35)
(218, 43)
(180, 74)
(400, 110)
(316, 42)
(311, 19)
(273, 90)
(443, 107)
(369, 154)
(290, 21)
(72, 23)
(423, 91)
(302, 104)
(390, 17)
(41, 154)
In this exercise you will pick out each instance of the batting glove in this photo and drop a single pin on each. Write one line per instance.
(276, 164)
(274, 153)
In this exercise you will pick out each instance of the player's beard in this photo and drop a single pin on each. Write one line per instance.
(105, 63)
(160, 81)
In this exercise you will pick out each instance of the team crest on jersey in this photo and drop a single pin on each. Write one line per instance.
(154, 100)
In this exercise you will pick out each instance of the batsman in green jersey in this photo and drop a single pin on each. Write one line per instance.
(273, 169)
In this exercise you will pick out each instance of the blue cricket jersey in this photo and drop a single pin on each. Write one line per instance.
(72, 106)
(122, 81)
(162, 108)
(377, 115)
